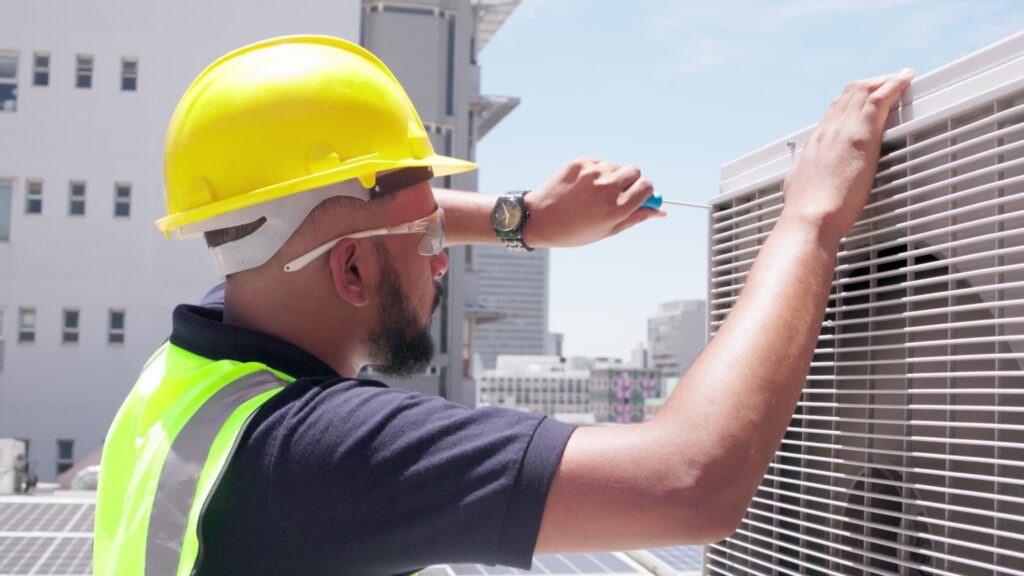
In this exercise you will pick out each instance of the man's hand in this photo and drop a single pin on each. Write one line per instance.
(586, 201)
(830, 182)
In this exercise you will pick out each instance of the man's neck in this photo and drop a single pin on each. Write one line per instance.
(294, 320)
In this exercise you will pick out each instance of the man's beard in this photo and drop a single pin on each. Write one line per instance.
(402, 346)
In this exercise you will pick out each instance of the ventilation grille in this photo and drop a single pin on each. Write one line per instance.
(906, 453)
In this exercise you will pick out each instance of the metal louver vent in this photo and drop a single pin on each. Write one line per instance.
(906, 453)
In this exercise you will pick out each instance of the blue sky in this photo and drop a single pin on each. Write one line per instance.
(679, 88)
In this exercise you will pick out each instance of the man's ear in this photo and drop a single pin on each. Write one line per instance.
(350, 264)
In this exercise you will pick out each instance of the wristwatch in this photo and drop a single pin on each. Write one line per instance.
(508, 217)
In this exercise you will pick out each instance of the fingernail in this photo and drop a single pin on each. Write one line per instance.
(906, 72)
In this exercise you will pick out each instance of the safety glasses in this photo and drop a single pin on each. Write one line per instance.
(431, 244)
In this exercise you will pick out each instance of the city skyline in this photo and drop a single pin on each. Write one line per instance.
(681, 89)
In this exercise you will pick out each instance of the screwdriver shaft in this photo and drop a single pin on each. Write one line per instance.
(690, 204)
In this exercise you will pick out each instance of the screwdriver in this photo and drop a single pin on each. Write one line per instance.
(655, 201)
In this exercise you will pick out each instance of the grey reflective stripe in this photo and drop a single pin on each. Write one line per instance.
(179, 477)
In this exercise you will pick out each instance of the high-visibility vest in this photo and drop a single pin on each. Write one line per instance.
(164, 455)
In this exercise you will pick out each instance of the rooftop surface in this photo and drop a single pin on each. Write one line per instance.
(52, 535)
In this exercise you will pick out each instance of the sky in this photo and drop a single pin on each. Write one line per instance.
(679, 88)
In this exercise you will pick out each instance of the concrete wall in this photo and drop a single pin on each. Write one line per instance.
(50, 390)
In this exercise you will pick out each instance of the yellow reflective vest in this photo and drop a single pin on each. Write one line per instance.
(164, 455)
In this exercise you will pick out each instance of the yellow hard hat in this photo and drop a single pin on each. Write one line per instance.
(283, 116)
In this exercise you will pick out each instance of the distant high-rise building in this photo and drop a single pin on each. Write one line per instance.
(514, 285)
(639, 356)
(676, 335)
(553, 342)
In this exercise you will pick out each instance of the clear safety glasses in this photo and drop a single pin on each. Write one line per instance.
(431, 244)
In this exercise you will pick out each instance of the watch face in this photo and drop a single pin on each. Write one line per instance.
(507, 215)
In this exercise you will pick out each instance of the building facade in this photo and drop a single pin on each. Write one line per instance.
(581, 390)
(535, 383)
(620, 393)
(87, 284)
(516, 286)
(675, 336)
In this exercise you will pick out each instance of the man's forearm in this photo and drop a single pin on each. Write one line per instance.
(586, 201)
(467, 217)
(734, 403)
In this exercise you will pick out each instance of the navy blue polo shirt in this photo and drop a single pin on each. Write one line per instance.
(337, 475)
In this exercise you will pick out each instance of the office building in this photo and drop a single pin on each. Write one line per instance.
(535, 383)
(516, 286)
(86, 92)
(675, 336)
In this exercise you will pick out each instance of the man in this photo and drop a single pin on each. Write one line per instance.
(246, 447)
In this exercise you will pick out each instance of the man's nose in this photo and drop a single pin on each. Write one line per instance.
(439, 264)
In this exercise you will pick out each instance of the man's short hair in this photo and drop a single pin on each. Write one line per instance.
(386, 185)
(215, 238)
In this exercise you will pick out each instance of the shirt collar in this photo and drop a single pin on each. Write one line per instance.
(202, 331)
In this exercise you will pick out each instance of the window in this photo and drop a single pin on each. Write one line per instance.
(450, 92)
(76, 198)
(26, 324)
(41, 69)
(83, 71)
(129, 74)
(34, 197)
(1, 339)
(65, 454)
(8, 81)
(6, 187)
(69, 333)
(115, 334)
(122, 200)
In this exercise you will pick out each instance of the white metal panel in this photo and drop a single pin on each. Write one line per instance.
(906, 453)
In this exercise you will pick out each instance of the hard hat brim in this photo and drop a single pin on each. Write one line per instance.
(442, 166)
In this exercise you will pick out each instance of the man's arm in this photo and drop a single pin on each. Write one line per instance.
(689, 474)
(585, 201)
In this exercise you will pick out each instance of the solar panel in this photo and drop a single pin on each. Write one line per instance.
(46, 536)
(46, 555)
(681, 558)
(562, 564)
(46, 516)
(52, 536)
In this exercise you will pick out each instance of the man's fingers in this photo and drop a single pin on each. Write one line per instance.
(872, 88)
(879, 102)
(857, 92)
(626, 176)
(637, 192)
(599, 170)
(636, 217)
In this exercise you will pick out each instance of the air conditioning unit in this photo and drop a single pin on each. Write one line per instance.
(13, 467)
(906, 453)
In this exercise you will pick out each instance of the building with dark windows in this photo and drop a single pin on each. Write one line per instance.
(87, 284)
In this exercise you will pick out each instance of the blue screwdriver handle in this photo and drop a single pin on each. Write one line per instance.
(653, 202)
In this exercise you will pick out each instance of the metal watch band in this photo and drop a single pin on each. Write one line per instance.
(516, 245)
(513, 239)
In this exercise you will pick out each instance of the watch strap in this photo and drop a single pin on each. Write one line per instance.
(513, 239)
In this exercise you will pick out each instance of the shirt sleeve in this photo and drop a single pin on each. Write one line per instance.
(394, 481)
